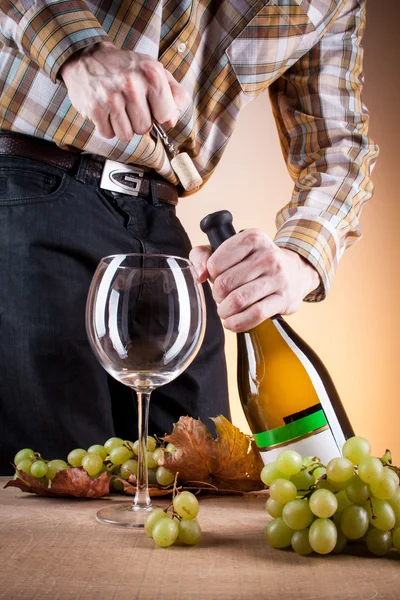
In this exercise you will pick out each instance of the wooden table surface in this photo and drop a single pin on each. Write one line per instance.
(54, 548)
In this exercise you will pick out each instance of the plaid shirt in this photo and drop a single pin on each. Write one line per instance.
(306, 52)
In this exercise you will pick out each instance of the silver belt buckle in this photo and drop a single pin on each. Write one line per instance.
(118, 177)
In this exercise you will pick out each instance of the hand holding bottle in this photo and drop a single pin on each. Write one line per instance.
(254, 279)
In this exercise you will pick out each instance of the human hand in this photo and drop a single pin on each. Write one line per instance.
(254, 279)
(121, 91)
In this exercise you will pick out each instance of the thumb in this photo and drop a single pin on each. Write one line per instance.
(199, 256)
(181, 96)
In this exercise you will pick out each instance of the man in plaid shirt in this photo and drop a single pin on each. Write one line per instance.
(81, 84)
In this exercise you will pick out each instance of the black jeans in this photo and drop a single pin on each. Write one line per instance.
(54, 395)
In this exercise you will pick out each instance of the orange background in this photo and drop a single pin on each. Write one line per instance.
(356, 329)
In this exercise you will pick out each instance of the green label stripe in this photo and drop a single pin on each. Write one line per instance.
(291, 431)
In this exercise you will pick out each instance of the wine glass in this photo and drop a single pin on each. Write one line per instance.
(145, 319)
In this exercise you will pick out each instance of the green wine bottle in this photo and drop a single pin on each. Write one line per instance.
(287, 394)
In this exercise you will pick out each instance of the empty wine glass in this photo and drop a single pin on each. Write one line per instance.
(145, 319)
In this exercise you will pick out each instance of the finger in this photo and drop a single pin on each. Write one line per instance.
(199, 256)
(236, 248)
(181, 97)
(255, 314)
(139, 115)
(101, 120)
(245, 296)
(245, 271)
(159, 95)
(119, 119)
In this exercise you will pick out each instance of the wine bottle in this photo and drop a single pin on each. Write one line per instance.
(287, 394)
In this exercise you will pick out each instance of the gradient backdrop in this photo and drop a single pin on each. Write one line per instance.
(356, 329)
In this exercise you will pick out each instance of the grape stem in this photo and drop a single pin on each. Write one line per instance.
(372, 509)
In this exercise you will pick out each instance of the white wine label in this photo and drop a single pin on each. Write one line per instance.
(318, 443)
(319, 387)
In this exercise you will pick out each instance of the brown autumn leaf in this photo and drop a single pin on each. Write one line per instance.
(69, 482)
(228, 462)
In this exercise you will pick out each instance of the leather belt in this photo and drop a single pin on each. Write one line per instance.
(120, 177)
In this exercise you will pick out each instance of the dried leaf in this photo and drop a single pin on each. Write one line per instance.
(69, 482)
(229, 462)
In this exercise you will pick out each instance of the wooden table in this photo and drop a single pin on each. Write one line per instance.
(54, 548)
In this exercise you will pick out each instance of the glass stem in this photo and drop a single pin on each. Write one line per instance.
(142, 498)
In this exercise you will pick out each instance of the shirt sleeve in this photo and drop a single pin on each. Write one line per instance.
(49, 32)
(323, 130)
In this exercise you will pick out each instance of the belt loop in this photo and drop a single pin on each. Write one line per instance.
(82, 169)
(154, 192)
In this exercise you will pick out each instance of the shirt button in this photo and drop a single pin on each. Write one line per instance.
(181, 48)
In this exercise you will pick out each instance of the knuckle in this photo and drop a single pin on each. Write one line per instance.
(238, 300)
(259, 312)
(154, 74)
(221, 285)
(255, 237)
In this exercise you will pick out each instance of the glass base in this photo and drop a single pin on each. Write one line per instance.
(124, 514)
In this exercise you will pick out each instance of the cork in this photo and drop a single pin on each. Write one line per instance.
(186, 172)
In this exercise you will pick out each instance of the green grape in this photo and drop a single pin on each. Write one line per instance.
(341, 543)
(92, 463)
(53, 466)
(114, 442)
(164, 476)
(342, 501)
(354, 522)
(270, 473)
(297, 514)
(300, 542)
(151, 463)
(117, 485)
(381, 515)
(289, 462)
(165, 532)
(394, 502)
(278, 534)
(119, 455)
(75, 457)
(357, 490)
(151, 443)
(273, 508)
(39, 469)
(385, 487)
(391, 473)
(325, 484)
(24, 465)
(318, 472)
(322, 536)
(152, 476)
(323, 503)
(98, 449)
(339, 469)
(370, 469)
(24, 454)
(128, 468)
(170, 448)
(282, 491)
(158, 454)
(355, 449)
(189, 532)
(396, 538)
(151, 519)
(135, 447)
(303, 480)
(186, 505)
(379, 542)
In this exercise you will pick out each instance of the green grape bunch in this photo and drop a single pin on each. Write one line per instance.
(321, 508)
(181, 525)
(116, 456)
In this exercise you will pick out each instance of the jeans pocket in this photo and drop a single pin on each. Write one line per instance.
(24, 181)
